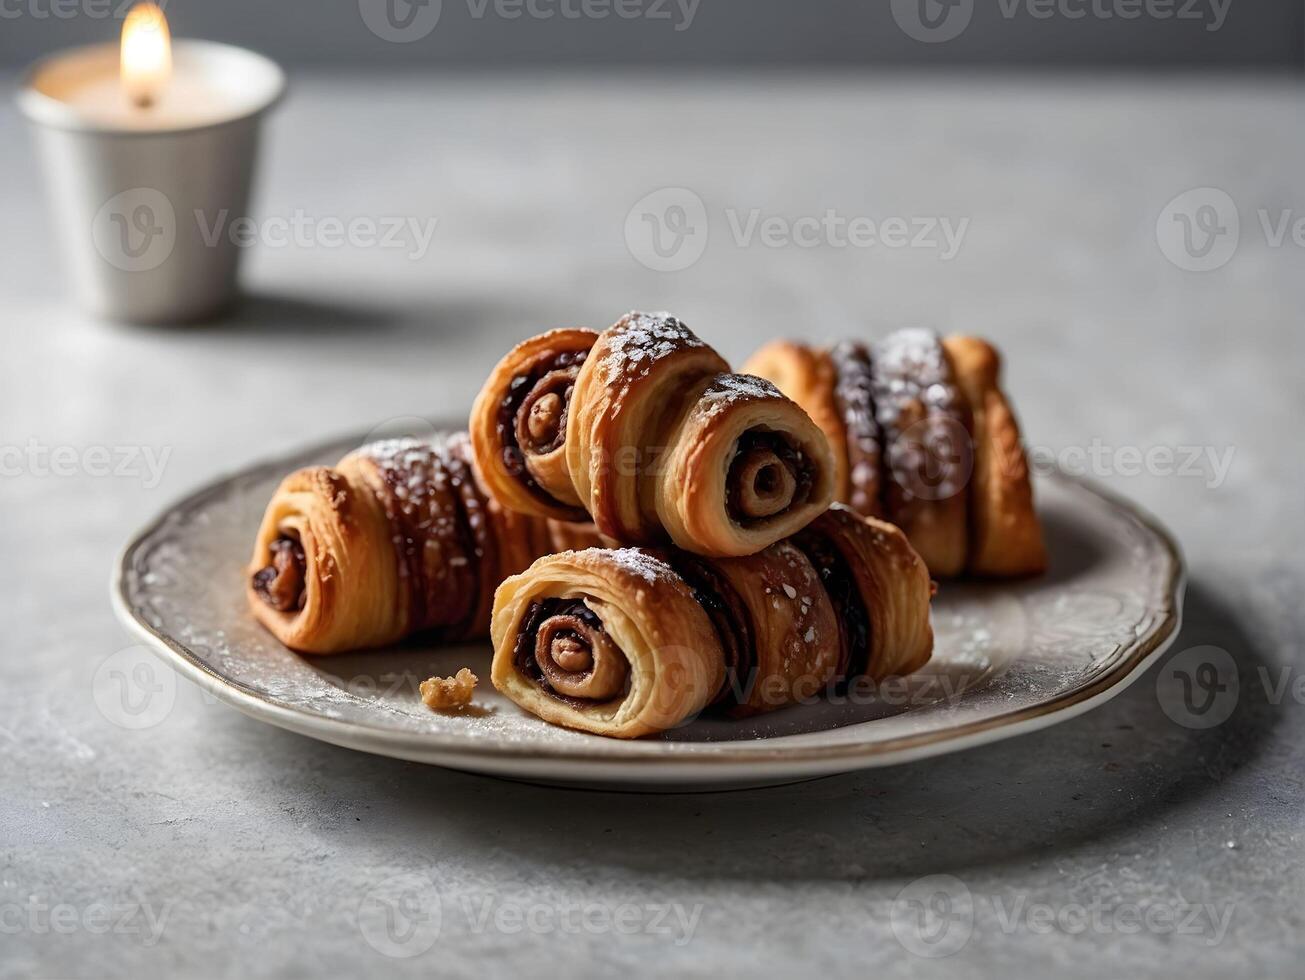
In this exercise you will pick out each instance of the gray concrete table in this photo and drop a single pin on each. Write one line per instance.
(212, 844)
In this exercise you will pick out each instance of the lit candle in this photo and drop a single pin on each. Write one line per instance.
(146, 60)
(145, 142)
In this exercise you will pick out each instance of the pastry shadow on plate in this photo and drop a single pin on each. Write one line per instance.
(1122, 766)
(1071, 550)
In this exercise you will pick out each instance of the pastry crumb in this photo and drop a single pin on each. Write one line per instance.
(449, 693)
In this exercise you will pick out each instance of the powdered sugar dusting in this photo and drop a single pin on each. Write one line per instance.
(998, 648)
(728, 390)
(637, 341)
(636, 561)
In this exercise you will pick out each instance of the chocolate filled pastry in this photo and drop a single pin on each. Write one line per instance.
(922, 436)
(644, 429)
(634, 641)
(397, 538)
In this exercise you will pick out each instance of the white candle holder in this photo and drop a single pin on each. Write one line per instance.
(140, 195)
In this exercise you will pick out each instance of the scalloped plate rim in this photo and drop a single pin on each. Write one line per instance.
(625, 762)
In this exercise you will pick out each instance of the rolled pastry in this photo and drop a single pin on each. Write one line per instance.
(397, 538)
(1005, 533)
(644, 429)
(633, 641)
(926, 439)
(924, 423)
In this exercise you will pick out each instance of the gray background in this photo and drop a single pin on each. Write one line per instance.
(261, 848)
(1255, 34)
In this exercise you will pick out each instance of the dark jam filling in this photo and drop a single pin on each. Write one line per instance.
(412, 530)
(474, 537)
(523, 652)
(854, 399)
(729, 615)
(793, 460)
(283, 584)
(509, 410)
(840, 584)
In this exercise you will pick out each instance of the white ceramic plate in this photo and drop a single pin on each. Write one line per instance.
(1010, 658)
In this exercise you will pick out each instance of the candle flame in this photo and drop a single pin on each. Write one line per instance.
(146, 63)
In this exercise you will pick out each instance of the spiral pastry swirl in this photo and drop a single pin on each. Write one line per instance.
(633, 641)
(398, 537)
(922, 435)
(644, 429)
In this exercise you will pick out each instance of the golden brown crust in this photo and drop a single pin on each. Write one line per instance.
(399, 537)
(676, 665)
(567, 536)
(794, 632)
(893, 583)
(676, 617)
(629, 400)
(654, 422)
(1005, 533)
(955, 474)
(435, 522)
(352, 597)
(808, 376)
(693, 491)
(527, 482)
(449, 693)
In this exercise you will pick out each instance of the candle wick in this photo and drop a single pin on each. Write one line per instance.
(144, 100)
